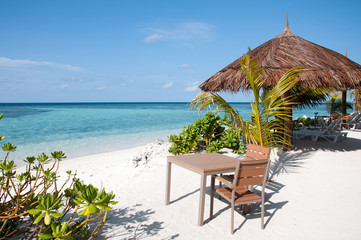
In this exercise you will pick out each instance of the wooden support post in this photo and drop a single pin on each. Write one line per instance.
(344, 103)
(289, 126)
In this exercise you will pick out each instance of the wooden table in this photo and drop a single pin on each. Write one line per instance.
(205, 164)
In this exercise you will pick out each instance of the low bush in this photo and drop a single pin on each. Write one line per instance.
(210, 133)
(35, 204)
(304, 122)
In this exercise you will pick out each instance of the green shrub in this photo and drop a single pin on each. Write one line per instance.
(303, 122)
(230, 140)
(210, 133)
(34, 204)
(186, 142)
(209, 127)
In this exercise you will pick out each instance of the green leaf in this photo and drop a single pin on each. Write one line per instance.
(81, 213)
(78, 202)
(106, 208)
(56, 214)
(64, 226)
(34, 211)
(93, 209)
(38, 219)
(47, 219)
(44, 236)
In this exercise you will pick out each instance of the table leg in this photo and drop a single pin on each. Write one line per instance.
(213, 179)
(167, 190)
(202, 199)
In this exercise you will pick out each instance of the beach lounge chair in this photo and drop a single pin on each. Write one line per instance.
(355, 122)
(247, 173)
(331, 133)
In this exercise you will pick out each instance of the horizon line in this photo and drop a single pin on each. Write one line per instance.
(97, 102)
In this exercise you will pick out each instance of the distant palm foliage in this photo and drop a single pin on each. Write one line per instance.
(334, 104)
(356, 95)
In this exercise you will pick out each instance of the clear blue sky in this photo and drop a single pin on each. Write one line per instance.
(126, 51)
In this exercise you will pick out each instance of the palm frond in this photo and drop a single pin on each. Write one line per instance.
(310, 97)
(205, 100)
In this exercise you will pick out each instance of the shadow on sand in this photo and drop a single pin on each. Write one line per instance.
(271, 207)
(349, 144)
(290, 161)
(131, 224)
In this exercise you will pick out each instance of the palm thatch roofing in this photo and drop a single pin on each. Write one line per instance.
(322, 66)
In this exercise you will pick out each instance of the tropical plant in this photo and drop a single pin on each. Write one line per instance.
(187, 141)
(209, 127)
(208, 133)
(310, 97)
(34, 203)
(269, 109)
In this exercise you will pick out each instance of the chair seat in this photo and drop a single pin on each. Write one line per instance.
(242, 195)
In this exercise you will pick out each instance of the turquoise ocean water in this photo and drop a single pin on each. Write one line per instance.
(80, 129)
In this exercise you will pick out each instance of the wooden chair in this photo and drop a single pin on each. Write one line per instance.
(247, 173)
(254, 152)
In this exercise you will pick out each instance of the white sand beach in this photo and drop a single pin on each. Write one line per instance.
(314, 194)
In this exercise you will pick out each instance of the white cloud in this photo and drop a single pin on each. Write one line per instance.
(168, 85)
(100, 88)
(182, 31)
(153, 38)
(64, 86)
(185, 66)
(192, 87)
(7, 62)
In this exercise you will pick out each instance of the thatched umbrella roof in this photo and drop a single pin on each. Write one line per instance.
(322, 66)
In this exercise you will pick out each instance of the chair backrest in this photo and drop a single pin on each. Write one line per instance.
(334, 126)
(251, 173)
(352, 116)
(255, 152)
(356, 118)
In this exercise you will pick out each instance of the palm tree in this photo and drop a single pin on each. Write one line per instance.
(269, 110)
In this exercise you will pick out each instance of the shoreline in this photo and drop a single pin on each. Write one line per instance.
(77, 149)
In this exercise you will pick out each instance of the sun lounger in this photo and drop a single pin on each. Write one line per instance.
(331, 133)
(355, 122)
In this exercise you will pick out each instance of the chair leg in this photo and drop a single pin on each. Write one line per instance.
(212, 196)
(220, 185)
(262, 214)
(232, 218)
